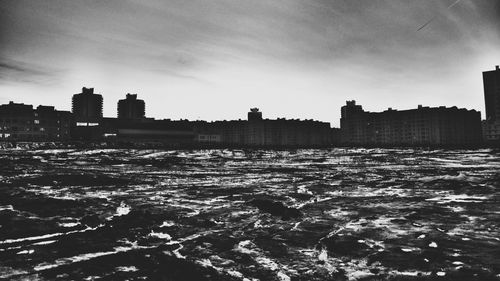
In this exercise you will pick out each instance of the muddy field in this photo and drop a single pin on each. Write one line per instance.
(340, 214)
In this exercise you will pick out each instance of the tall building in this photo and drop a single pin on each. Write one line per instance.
(491, 82)
(438, 126)
(491, 126)
(87, 107)
(254, 114)
(131, 108)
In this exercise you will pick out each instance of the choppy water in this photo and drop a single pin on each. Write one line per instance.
(341, 214)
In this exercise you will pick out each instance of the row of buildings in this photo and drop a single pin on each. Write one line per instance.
(132, 126)
(423, 126)
(21, 122)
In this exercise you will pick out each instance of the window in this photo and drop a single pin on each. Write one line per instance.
(37, 121)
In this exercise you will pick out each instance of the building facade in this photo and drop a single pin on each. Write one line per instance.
(258, 132)
(20, 122)
(131, 108)
(424, 126)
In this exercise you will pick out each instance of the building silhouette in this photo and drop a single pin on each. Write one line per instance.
(258, 132)
(20, 122)
(254, 114)
(491, 83)
(424, 126)
(55, 124)
(87, 114)
(491, 126)
(131, 108)
(87, 107)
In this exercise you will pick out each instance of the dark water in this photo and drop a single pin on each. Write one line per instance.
(342, 214)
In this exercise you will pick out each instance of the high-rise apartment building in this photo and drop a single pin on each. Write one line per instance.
(87, 107)
(131, 108)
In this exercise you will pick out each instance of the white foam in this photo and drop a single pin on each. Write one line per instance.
(167, 224)
(32, 238)
(8, 272)
(69, 224)
(7, 207)
(121, 210)
(26, 252)
(45, 242)
(257, 224)
(433, 245)
(155, 155)
(249, 248)
(459, 198)
(160, 235)
(409, 249)
(323, 255)
(295, 226)
(86, 256)
(127, 268)
(409, 273)
(459, 177)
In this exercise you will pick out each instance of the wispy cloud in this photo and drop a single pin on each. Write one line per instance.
(17, 71)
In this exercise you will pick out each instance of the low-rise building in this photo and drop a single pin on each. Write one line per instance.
(20, 122)
(259, 132)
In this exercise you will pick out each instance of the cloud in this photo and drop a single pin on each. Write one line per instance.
(326, 49)
(17, 71)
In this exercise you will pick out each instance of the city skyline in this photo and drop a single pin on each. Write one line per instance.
(213, 61)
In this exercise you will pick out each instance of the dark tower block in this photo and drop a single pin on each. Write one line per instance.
(131, 108)
(491, 82)
(254, 115)
(491, 126)
(87, 107)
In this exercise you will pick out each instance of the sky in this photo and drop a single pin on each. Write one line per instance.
(215, 59)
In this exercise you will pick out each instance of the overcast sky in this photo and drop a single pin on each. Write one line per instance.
(214, 59)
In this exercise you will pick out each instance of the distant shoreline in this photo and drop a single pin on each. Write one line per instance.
(160, 145)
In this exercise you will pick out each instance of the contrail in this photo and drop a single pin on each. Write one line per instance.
(433, 18)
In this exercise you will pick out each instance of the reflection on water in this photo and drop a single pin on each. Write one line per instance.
(340, 214)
